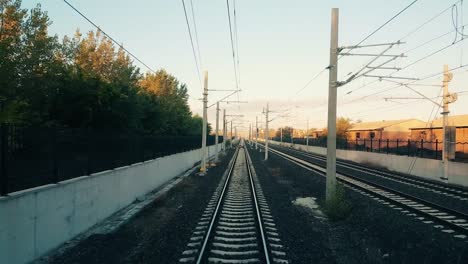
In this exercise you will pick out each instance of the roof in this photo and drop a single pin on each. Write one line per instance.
(458, 121)
(378, 125)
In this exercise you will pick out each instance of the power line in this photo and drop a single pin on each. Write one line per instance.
(107, 35)
(232, 44)
(399, 85)
(428, 21)
(384, 24)
(196, 33)
(193, 47)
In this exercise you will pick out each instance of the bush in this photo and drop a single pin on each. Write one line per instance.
(337, 208)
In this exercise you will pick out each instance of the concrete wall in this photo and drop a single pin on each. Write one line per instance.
(425, 168)
(34, 221)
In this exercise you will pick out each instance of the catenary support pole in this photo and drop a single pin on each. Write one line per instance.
(205, 117)
(307, 133)
(332, 91)
(224, 130)
(267, 132)
(446, 100)
(281, 134)
(256, 132)
(217, 131)
(231, 138)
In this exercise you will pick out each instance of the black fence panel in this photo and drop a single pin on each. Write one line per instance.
(32, 156)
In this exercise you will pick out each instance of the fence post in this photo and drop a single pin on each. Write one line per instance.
(408, 147)
(3, 164)
(380, 141)
(356, 145)
(365, 145)
(422, 148)
(437, 148)
(388, 141)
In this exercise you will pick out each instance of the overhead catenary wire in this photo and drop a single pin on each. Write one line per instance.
(384, 24)
(232, 44)
(196, 34)
(193, 47)
(109, 36)
(413, 32)
(360, 42)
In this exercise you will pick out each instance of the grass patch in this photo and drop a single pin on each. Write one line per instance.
(338, 207)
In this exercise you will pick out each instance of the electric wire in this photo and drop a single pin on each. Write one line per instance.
(196, 34)
(109, 36)
(232, 44)
(193, 47)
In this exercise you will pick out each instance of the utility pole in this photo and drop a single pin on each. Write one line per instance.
(446, 100)
(205, 117)
(292, 134)
(217, 131)
(224, 130)
(231, 135)
(267, 132)
(332, 91)
(281, 134)
(256, 132)
(307, 134)
(250, 132)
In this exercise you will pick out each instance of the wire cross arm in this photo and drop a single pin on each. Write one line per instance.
(371, 45)
(391, 77)
(374, 55)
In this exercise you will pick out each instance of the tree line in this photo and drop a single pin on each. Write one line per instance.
(82, 81)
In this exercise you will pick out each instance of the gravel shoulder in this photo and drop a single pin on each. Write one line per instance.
(158, 233)
(373, 233)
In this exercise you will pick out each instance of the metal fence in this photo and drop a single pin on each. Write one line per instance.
(31, 157)
(419, 148)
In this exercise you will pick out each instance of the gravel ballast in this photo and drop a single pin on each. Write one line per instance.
(373, 232)
(157, 234)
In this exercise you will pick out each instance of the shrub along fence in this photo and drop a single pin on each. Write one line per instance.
(32, 156)
(420, 148)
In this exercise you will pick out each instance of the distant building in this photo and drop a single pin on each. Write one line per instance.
(383, 130)
(434, 131)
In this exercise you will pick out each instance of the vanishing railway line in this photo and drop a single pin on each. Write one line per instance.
(237, 225)
(441, 217)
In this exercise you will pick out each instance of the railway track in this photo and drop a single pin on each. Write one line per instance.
(447, 220)
(453, 192)
(237, 225)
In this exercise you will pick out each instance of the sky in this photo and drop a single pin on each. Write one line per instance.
(282, 45)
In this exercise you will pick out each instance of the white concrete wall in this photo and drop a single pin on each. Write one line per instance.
(425, 168)
(34, 221)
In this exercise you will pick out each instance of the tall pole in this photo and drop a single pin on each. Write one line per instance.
(217, 131)
(267, 132)
(292, 135)
(256, 132)
(250, 132)
(231, 134)
(224, 130)
(332, 91)
(205, 117)
(307, 134)
(446, 100)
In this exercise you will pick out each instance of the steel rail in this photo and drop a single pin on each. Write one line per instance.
(435, 186)
(218, 205)
(345, 179)
(259, 216)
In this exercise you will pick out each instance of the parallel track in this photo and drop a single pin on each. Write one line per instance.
(237, 226)
(441, 189)
(448, 220)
